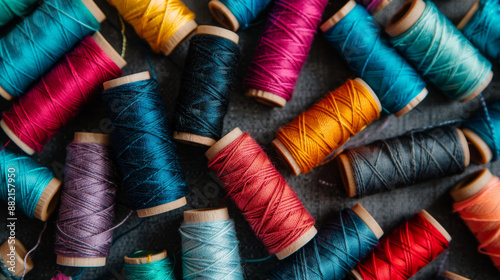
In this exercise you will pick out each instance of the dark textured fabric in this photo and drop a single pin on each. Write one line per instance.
(321, 190)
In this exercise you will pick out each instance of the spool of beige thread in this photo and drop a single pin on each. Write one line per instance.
(96, 138)
(357, 276)
(160, 208)
(93, 9)
(190, 138)
(347, 170)
(286, 155)
(406, 16)
(301, 241)
(113, 55)
(12, 253)
(345, 10)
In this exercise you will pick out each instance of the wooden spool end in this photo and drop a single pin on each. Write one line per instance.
(338, 16)
(479, 89)
(368, 220)
(145, 256)
(468, 16)
(27, 149)
(109, 50)
(299, 243)
(347, 175)
(148, 212)
(18, 258)
(142, 76)
(5, 94)
(218, 31)
(94, 10)
(454, 276)
(266, 98)
(405, 17)
(436, 224)
(179, 37)
(223, 142)
(471, 185)
(206, 215)
(465, 146)
(381, 6)
(480, 152)
(81, 262)
(223, 15)
(286, 157)
(413, 103)
(89, 137)
(48, 200)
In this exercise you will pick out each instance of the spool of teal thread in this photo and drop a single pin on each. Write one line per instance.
(236, 14)
(9, 9)
(439, 52)
(149, 265)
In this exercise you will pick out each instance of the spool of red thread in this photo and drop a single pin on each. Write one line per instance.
(400, 255)
(270, 206)
(62, 93)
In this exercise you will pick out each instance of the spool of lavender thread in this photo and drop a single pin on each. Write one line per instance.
(84, 228)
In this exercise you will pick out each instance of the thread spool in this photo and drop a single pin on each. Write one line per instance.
(209, 73)
(480, 26)
(446, 275)
(306, 141)
(36, 188)
(209, 245)
(28, 51)
(10, 9)
(12, 253)
(272, 75)
(476, 200)
(404, 160)
(382, 265)
(357, 37)
(148, 265)
(119, 95)
(289, 220)
(375, 6)
(235, 14)
(84, 229)
(462, 73)
(339, 245)
(163, 24)
(52, 102)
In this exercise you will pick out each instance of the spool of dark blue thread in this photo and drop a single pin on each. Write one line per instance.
(151, 171)
(405, 160)
(209, 73)
(339, 245)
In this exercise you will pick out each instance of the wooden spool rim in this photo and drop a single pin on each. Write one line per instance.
(81, 262)
(223, 15)
(266, 98)
(141, 260)
(479, 89)
(368, 219)
(219, 32)
(413, 103)
(338, 16)
(405, 17)
(223, 142)
(381, 6)
(49, 199)
(90, 137)
(468, 16)
(155, 210)
(141, 76)
(27, 149)
(179, 37)
(471, 185)
(109, 50)
(454, 276)
(206, 215)
(480, 152)
(193, 139)
(20, 253)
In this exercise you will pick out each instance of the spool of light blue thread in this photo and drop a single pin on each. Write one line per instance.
(149, 265)
(441, 54)
(353, 32)
(40, 40)
(483, 29)
(236, 14)
(209, 245)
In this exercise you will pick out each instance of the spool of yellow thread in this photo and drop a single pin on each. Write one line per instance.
(164, 24)
(306, 142)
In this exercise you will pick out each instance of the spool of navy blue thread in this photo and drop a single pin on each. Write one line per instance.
(356, 36)
(151, 171)
(209, 73)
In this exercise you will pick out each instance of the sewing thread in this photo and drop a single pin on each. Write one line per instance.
(157, 270)
(245, 11)
(9, 9)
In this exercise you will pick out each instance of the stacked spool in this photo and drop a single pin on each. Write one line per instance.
(12, 254)
(49, 107)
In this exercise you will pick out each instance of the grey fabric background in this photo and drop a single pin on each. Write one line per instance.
(320, 191)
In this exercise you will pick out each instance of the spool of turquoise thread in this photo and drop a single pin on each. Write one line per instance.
(439, 52)
(149, 265)
(9, 9)
(236, 14)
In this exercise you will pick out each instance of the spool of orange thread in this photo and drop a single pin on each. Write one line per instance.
(305, 142)
(477, 200)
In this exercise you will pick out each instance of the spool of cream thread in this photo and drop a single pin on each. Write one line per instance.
(345, 10)
(18, 258)
(149, 259)
(190, 138)
(160, 208)
(347, 170)
(301, 241)
(95, 138)
(108, 49)
(96, 12)
(406, 17)
(287, 156)
(357, 276)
